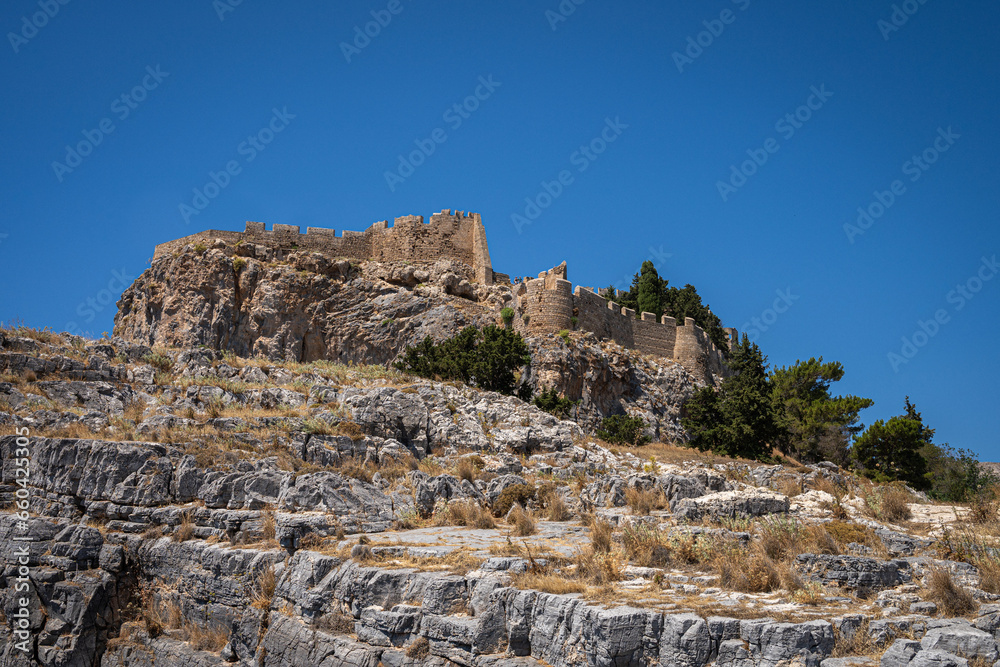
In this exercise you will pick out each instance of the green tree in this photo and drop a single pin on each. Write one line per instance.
(488, 359)
(623, 429)
(702, 419)
(813, 425)
(649, 290)
(740, 421)
(890, 451)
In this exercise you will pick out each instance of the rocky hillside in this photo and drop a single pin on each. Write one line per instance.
(256, 301)
(191, 507)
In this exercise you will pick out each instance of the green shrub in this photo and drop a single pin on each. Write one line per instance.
(516, 493)
(507, 314)
(574, 321)
(623, 429)
(239, 263)
(159, 361)
(564, 334)
(487, 359)
(550, 401)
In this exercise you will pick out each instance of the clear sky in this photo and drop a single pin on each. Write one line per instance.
(732, 142)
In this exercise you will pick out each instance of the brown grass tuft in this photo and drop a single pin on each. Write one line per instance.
(419, 649)
(523, 521)
(264, 589)
(600, 536)
(644, 502)
(185, 531)
(951, 598)
(747, 572)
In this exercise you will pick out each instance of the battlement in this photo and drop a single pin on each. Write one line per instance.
(548, 304)
(459, 236)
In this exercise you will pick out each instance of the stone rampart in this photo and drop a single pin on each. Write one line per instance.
(457, 236)
(550, 308)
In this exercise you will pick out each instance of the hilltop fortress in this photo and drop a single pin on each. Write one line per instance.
(544, 305)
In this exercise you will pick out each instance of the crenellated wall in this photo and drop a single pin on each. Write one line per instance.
(457, 236)
(550, 307)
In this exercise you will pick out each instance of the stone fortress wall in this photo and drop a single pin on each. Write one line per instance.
(457, 235)
(544, 306)
(547, 305)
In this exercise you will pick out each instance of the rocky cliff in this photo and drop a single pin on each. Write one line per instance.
(186, 506)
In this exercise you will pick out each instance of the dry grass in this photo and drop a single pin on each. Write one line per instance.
(465, 513)
(185, 531)
(747, 571)
(781, 537)
(951, 598)
(557, 510)
(469, 467)
(268, 525)
(600, 569)
(600, 536)
(790, 486)
(419, 649)
(557, 584)
(644, 502)
(523, 521)
(844, 533)
(212, 638)
(263, 592)
(857, 643)
(971, 546)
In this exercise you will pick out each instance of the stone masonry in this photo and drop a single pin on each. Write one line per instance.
(544, 306)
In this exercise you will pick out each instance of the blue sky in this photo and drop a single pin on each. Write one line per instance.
(647, 111)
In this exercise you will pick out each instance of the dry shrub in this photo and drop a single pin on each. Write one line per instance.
(215, 407)
(969, 546)
(212, 638)
(600, 569)
(360, 471)
(790, 486)
(952, 599)
(556, 509)
(185, 531)
(29, 375)
(747, 572)
(465, 513)
(826, 485)
(646, 546)
(894, 505)
(515, 494)
(857, 641)
(419, 649)
(644, 502)
(468, 469)
(844, 532)
(134, 411)
(548, 583)
(983, 510)
(523, 521)
(337, 623)
(153, 533)
(810, 594)
(600, 536)
(263, 591)
(268, 525)
(351, 430)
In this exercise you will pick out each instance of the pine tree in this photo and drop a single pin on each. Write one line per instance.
(649, 291)
(813, 425)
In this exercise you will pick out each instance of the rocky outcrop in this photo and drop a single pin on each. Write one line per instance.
(257, 301)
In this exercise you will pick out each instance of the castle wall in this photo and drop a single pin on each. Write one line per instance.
(448, 236)
(549, 309)
(544, 300)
